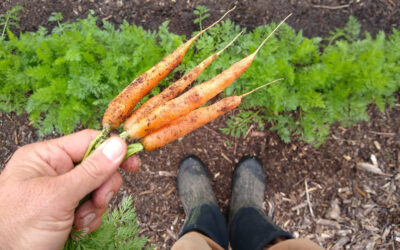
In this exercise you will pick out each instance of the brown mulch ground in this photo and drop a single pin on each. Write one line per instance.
(351, 207)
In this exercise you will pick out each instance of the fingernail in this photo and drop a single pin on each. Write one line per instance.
(109, 197)
(85, 231)
(88, 219)
(113, 149)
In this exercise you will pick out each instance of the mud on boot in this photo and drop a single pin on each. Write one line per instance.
(202, 212)
(249, 227)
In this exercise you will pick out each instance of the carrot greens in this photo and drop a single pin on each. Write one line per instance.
(119, 230)
(65, 80)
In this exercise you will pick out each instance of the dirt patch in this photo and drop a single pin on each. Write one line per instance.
(368, 203)
(350, 206)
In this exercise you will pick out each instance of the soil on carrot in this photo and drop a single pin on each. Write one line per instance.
(347, 206)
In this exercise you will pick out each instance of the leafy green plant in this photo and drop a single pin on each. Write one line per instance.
(238, 125)
(67, 77)
(228, 143)
(323, 84)
(56, 17)
(9, 19)
(350, 32)
(202, 12)
(119, 230)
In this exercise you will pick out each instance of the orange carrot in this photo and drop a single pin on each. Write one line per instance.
(174, 89)
(193, 98)
(121, 106)
(195, 119)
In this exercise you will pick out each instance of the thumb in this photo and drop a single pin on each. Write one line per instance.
(96, 169)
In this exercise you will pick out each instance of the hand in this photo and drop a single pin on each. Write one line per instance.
(40, 189)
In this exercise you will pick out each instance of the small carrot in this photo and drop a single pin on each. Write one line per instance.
(195, 119)
(193, 98)
(122, 105)
(174, 89)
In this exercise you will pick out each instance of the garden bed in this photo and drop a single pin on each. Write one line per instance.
(369, 210)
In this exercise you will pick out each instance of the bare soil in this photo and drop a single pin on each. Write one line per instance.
(348, 206)
(314, 17)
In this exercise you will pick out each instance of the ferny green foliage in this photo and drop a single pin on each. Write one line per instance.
(119, 230)
(201, 12)
(9, 19)
(67, 77)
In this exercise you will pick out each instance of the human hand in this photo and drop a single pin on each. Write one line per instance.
(40, 189)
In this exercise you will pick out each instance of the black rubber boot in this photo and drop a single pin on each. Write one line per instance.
(201, 209)
(249, 227)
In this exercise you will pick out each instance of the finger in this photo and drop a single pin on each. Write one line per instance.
(131, 164)
(86, 214)
(95, 170)
(102, 196)
(53, 157)
(76, 144)
(93, 226)
(40, 159)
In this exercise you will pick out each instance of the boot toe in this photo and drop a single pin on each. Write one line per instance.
(250, 165)
(248, 185)
(194, 186)
(192, 164)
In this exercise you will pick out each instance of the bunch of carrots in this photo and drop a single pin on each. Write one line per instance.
(166, 117)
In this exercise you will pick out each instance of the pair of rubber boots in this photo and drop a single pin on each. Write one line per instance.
(249, 228)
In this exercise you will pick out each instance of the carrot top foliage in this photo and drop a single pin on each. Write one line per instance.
(66, 77)
(320, 88)
(118, 230)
